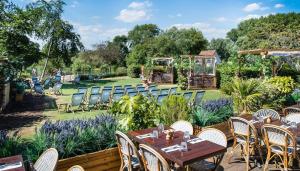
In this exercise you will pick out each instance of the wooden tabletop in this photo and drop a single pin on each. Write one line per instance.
(13, 159)
(196, 152)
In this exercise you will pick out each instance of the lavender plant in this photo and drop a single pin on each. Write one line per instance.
(213, 112)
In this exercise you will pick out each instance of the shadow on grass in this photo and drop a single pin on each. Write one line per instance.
(87, 84)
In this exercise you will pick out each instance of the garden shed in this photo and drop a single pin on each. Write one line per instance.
(202, 73)
(291, 56)
(162, 70)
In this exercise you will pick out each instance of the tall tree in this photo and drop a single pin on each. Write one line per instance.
(122, 43)
(224, 47)
(61, 42)
(142, 33)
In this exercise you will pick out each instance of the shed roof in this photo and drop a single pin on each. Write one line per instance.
(211, 53)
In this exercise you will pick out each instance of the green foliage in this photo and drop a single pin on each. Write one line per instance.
(121, 71)
(174, 108)
(284, 85)
(213, 112)
(245, 93)
(274, 32)
(135, 112)
(10, 145)
(224, 47)
(142, 33)
(134, 71)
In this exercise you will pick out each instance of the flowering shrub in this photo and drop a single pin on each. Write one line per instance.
(213, 112)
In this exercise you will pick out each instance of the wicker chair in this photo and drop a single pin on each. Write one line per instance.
(128, 153)
(293, 117)
(267, 112)
(215, 136)
(47, 161)
(281, 143)
(76, 168)
(183, 126)
(290, 110)
(244, 135)
(152, 160)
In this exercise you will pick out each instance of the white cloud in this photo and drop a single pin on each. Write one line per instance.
(136, 11)
(255, 7)
(221, 19)
(206, 28)
(278, 5)
(95, 33)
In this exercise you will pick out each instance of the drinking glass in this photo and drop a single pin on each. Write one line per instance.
(183, 146)
(283, 120)
(186, 136)
(155, 134)
(254, 118)
(161, 128)
(294, 126)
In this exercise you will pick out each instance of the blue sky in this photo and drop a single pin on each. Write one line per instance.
(100, 20)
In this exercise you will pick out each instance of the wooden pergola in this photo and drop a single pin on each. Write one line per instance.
(271, 52)
(166, 76)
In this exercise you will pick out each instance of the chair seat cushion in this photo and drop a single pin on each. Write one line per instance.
(243, 141)
(277, 149)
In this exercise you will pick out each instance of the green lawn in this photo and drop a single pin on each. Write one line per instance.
(69, 89)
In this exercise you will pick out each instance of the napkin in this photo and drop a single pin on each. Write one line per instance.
(195, 140)
(144, 136)
(171, 148)
(10, 166)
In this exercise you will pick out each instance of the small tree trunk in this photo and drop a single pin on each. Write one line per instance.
(46, 62)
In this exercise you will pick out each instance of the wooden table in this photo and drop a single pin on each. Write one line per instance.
(13, 159)
(196, 152)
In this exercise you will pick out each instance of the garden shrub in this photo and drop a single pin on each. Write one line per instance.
(121, 71)
(135, 113)
(174, 108)
(134, 71)
(70, 138)
(213, 112)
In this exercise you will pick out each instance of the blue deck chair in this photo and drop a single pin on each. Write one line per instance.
(165, 91)
(117, 96)
(144, 93)
(139, 85)
(119, 90)
(160, 98)
(95, 90)
(35, 80)
(47, 82)
(150, 88)
(155, 92)
(118, 87)
(57, 88)
(188, 96)
(140, 88)
(132, 93)
(76, 101)
(105, 96)
(108, 87)
(198, 97)
(129, 89)
(82, 90)
(126, 86)
(57, 78)
(38, 88)
(173, 90)
(93, 101)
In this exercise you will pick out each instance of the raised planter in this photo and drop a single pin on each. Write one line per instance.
(223, 126)
(105, 160)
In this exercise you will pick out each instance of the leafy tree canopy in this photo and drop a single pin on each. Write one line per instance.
(224, 47)
(142, 33)
(273, 31)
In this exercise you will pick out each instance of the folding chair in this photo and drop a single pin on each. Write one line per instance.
(76, 101)
(95, 90)
(93, 101)
(198, 97)
(160, 98)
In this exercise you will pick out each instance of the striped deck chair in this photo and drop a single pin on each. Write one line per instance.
(57, 78)
(117, 87)
(144, 92)
(139, 85)
(129, 89)
(38, 88)
(94, 101)
(155, 92)
(160, 98)
(267, 112)
(105, 96)
(95, 90)
(35, 80)
(120, 90)
(140, 88)
(126, 86)
(76, 80)
(76, 101)
(47, 83)
(153, 87)
(57, 88)
(165, 91)
(82, 90)
(108, 87)
(188, 96)
(132, 93)
(116, 96)
(173, 90)
(198, 97)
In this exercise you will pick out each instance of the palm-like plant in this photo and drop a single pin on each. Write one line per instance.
(245, 94)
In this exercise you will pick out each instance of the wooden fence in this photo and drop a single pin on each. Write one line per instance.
(106, 160)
